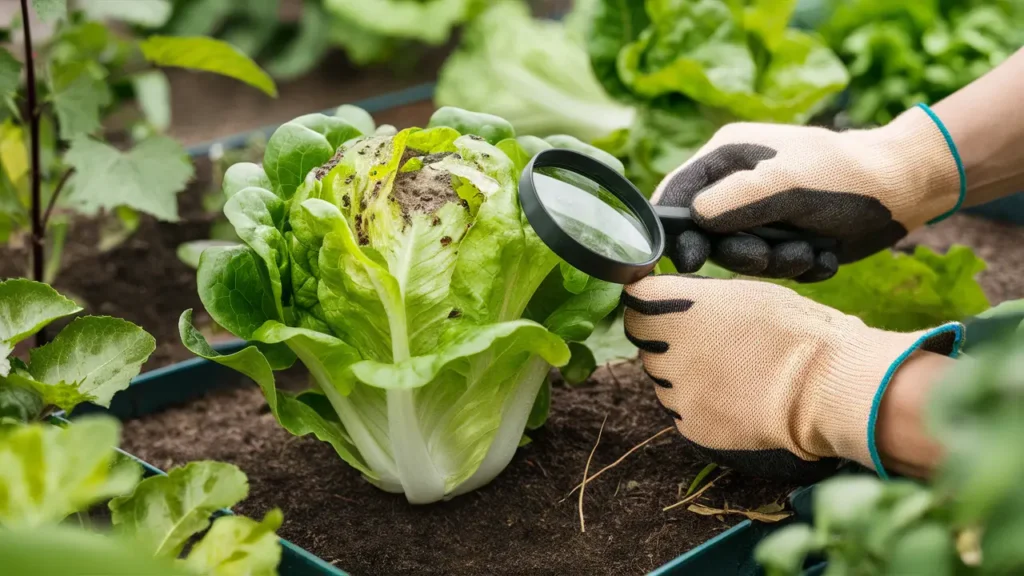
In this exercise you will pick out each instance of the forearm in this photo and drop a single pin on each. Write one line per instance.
(986, 121)
(900, 433)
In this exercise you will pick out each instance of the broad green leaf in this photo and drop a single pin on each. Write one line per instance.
(234, 286)
(10, 73)
(571, 143)
(146, 178)
(846, 502)
(575, 281)
(153, 91)
(581, 365)
(357, 117)
(19, 404)
(148, 13)
(924, 550)
(430, 22)
(292, 152)
(207, 55)
(306, 50)
(91, 359)
(905, 292)
(258, 218)
(608, 341)
(292, 412)
(13, 155)
(325, 356)
(191, 252)
(609, 25)
(80, 92)
(237, 545)
(25, 307)
(163, 512)
(783, 552)
(48, 472)
(244, 175)
(74, 552)
(576, 317)
(50, 10)
(491, 128)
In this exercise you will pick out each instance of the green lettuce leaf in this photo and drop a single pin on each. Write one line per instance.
(905, 292)
(25, 307)
(531, 73)
(239, 545)
(48, 473)
(164, 512)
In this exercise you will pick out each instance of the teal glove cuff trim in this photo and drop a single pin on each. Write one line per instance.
(956, 156)
(958, 331)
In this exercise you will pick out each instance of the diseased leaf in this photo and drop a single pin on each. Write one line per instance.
(207, 55)
(91, 359)
(146, 178)
(163, 512)
(25, 307)
(48, 472)
(238, 545)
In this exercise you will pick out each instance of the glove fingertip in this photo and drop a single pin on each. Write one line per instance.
(692, 250)
(826, 264)
(743, 254)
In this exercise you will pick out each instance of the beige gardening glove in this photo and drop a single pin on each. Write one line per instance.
(764, 380)
(864, 188)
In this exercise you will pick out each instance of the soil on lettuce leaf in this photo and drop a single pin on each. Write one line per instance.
(521, 523)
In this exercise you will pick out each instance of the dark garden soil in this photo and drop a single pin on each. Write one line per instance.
(519, 524)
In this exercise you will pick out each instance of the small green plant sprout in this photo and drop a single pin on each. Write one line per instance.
(90, 360)
(84, 134)
(161, 525)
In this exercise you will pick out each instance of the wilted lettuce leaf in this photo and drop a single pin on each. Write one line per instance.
(904, 292)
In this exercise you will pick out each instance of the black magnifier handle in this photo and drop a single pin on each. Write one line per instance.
(676, 220)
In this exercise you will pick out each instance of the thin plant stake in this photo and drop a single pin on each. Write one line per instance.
(586, 470)
(696, 494)
(617, 462)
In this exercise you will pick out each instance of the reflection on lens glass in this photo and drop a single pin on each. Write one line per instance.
(592, 215)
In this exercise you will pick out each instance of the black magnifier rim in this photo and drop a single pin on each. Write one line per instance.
(570, 249)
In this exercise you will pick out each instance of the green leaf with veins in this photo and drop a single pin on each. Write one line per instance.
(207, 55)
(50, 10)
(25, 307)
(80, 92)
(146, 178)
(10, 73)
(48, 473)
(163, 512)
(234, 286)
(238, 545)
(93, 358)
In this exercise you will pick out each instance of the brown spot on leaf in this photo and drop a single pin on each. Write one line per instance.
(346, 201)
(446, 241)
(436, 220)
(455, 313)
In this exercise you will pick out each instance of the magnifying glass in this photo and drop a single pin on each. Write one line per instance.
(596, 220)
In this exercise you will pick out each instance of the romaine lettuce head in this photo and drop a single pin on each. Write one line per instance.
(402, 272)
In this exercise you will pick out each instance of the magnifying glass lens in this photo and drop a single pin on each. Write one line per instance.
(592, 215)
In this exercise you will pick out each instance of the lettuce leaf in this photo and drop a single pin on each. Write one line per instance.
(905, 292)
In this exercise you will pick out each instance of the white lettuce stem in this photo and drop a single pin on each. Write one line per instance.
(513, 422)
(373, 454)
(420, 478)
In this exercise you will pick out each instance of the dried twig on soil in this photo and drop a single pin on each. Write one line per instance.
(615, 377)
(768, 517)
(586, 470)
(617, 462)
(696, 494)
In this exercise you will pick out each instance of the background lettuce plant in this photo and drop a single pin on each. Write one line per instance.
(400, 269)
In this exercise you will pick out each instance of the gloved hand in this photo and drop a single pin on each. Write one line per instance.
(865, 188)
(761, 379)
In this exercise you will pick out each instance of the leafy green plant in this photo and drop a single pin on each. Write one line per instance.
(691, 66)
(534, 73)
(400, 269)
(68, 142)
(909, 51)
(90, 360)
(970, 520)
(50, 473)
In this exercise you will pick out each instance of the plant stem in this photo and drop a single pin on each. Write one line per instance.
(38, 232)
(53, 197)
